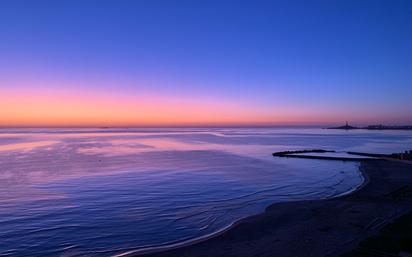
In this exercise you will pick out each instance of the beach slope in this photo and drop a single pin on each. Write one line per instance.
(314, 228)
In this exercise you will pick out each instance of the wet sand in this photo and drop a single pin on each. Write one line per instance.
(316, 228)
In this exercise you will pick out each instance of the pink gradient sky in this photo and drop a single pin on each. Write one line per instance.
(185, 63)
(35, 103)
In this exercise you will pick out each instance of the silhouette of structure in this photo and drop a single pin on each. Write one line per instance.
(373, 127)
(346, 127)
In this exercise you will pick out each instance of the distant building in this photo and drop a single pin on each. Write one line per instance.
(346, 127)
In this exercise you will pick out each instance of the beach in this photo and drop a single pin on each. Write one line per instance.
(328, 227)
(122, 191)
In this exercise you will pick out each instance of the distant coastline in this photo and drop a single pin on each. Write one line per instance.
(374, 127)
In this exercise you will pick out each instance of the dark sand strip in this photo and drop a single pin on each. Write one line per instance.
(395, 239)
(315, 228)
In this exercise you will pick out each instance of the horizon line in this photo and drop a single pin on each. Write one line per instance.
(185, 126)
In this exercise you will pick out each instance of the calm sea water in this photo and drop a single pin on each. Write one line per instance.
(102, 192)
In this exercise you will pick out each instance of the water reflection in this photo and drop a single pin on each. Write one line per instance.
(26, 146)
(110, 191)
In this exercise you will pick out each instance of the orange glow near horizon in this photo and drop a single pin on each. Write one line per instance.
(86, 108)
(76, 108)
(67, 107)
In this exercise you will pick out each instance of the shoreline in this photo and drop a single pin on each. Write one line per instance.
(172, 246)
(233, 239)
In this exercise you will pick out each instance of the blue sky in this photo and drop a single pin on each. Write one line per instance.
(335, 60)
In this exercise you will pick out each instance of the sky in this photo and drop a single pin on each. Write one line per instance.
(195, 63)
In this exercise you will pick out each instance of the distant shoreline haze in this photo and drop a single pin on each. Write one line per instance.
(144, 126)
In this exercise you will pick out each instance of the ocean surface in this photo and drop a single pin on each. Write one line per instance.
(103, 192)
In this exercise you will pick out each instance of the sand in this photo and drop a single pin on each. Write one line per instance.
(314, 228)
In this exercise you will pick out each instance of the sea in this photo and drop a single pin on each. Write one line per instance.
(111, 191)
